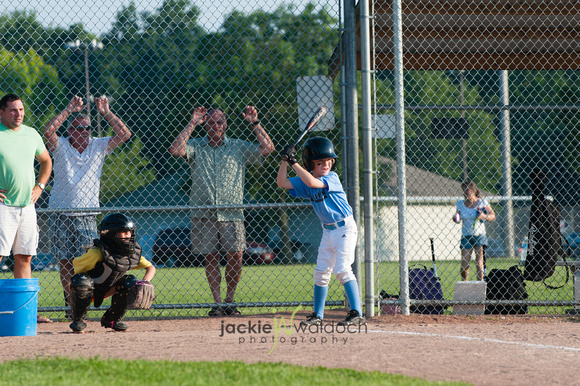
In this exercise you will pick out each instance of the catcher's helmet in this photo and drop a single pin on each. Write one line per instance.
(317, 148)
(113, 223)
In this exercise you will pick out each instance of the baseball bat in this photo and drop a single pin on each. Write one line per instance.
(311, 123)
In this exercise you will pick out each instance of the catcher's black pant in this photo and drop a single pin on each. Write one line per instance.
(118, 307)
(82, 290)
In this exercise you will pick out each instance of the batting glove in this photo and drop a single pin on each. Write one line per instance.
(290, 158)
(289, 154)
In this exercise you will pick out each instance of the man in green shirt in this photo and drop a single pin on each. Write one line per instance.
(218, 165)
(19, 190)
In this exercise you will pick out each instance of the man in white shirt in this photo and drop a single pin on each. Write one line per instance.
(78, 164)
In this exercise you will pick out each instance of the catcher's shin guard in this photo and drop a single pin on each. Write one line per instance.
(117, 309)
(81, 289)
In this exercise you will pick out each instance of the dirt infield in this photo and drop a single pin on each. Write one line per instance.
(483, 350)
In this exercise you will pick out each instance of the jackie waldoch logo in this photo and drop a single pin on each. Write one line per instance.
(270, 332)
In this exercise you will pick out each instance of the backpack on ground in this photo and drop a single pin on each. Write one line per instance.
(506, 284)
(424, 285)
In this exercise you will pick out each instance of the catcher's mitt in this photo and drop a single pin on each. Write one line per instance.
(141, 295)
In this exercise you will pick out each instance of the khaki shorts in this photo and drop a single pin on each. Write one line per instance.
(211, 236)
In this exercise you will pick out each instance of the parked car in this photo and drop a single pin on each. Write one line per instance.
(258, 253)
(494, 248)
(572, 245)
(172, 248)
(7, 263)
(43, 262)
(301, 252)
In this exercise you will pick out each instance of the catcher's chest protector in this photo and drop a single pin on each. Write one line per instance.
(111, 269)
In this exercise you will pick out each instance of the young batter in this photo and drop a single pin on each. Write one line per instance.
(318, 183)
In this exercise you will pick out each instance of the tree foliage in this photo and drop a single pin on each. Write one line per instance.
(157, 66)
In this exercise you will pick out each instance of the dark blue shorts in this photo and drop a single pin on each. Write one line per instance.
(471, 241)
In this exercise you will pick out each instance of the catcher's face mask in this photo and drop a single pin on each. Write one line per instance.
(115, 224)
(121, 242)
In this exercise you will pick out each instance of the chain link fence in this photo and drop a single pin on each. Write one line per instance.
(490, 93)
(157, 61)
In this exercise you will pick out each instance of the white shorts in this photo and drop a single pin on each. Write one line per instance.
(18, 230)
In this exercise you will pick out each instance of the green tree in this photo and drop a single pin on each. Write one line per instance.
(135, 171)
(540, 137)
(149, 56)
(27, 75)
(444, 156)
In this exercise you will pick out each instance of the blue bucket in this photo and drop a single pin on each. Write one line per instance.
(18, 307)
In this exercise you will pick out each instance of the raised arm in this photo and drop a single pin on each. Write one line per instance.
(177, 148)
(266, 144)
(74, 106)
(282, 180)
(308, 178)
(122, 133)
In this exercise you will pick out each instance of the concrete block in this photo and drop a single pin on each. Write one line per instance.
(469, 291)
(577, 289)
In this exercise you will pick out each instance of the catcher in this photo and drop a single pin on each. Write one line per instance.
(102, 272)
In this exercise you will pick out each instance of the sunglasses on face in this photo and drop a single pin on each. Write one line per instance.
(81, 127)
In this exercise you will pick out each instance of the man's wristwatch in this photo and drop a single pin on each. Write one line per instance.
(41, 185)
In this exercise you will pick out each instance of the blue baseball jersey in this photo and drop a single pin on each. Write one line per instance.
(330, 203)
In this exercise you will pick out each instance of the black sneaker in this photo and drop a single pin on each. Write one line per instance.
(117, 326)
(231, 310)
(78, 326)
(216, 311)
(353, 319)
(312, 320)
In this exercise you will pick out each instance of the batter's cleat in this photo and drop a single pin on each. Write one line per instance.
(312, 320)
(78, 326)
(353, 319)
(117, 326)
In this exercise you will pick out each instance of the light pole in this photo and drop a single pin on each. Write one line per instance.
(94, 45)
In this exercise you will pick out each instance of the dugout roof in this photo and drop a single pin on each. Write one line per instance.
(479, 35)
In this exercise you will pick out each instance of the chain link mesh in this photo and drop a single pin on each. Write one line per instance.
(464, 118)
(156, 62)
(490, 93)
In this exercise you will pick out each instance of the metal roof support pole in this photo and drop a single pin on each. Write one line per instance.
(506, 165)
(367, 131)
(351, 122)
(401, 162)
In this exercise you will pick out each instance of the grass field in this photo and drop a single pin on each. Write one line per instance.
(95, 371)
(291, 283)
